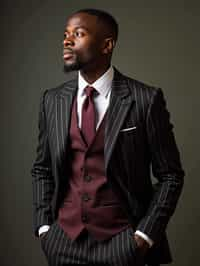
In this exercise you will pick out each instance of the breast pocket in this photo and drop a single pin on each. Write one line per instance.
(128, 130)
(130, 138)
(127, 140)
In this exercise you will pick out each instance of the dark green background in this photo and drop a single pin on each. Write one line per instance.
(159, 43)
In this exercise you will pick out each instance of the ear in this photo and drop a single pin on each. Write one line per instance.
(108, 46)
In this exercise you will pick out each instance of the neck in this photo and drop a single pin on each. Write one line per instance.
(93, 74)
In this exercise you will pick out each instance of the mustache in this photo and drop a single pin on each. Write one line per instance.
(68, 50)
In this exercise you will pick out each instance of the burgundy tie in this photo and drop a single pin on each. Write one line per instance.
(88, 122)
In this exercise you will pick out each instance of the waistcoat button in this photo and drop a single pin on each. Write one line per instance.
(84, 218)
(85, 197)
(87, 178)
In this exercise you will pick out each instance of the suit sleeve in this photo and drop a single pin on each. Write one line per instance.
(42, 179)
(166, 168)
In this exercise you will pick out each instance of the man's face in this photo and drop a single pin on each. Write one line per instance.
(82, 42)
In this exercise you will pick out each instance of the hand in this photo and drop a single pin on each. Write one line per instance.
(142, 244)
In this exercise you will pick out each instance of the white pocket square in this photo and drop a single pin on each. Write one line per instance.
(127, 129)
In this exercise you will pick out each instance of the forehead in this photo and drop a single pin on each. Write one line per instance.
(82, 20)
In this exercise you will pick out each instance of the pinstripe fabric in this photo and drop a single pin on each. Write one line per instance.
(129, 157)
(60, 250)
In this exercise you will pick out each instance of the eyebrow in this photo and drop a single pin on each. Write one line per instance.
(79, 27)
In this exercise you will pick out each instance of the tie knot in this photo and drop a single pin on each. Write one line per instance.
(89, 91)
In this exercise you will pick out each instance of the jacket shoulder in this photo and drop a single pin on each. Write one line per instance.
(66, 87)
(141, 89)
(143, 94)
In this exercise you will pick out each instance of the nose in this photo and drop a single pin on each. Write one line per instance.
(68, 41)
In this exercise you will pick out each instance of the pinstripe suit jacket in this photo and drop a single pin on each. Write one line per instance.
(138, 138)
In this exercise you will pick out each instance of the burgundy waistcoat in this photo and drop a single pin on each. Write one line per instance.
(90, 203)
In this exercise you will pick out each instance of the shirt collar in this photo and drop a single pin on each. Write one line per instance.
(102, 84)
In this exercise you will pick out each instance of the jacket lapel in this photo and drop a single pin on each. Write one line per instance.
(63, 114)
(120, 102)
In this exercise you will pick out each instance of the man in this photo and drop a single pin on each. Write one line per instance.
(99, 136)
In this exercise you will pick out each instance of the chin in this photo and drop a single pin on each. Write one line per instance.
(72, 67)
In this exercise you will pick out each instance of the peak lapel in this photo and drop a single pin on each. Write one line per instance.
(63, 113)
(120, 102)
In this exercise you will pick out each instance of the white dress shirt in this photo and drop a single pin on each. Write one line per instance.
(101, 101)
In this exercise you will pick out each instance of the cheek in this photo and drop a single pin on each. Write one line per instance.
(88, 49)
(86, 53)
(93, 51)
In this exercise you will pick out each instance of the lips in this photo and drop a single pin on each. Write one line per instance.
(67, 54)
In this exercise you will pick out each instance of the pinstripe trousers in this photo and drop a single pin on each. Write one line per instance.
(60, 250)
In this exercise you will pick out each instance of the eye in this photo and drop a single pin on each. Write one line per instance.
(66, 35)
(79, 34)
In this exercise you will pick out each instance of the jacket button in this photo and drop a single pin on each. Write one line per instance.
(85, 197)
(87, 178)
(84, 218)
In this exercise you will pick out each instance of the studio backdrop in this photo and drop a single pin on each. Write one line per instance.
(158, 44)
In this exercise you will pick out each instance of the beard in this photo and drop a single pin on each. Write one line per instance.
(74, 66)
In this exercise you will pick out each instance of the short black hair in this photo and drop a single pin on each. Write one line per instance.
(103, 16)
